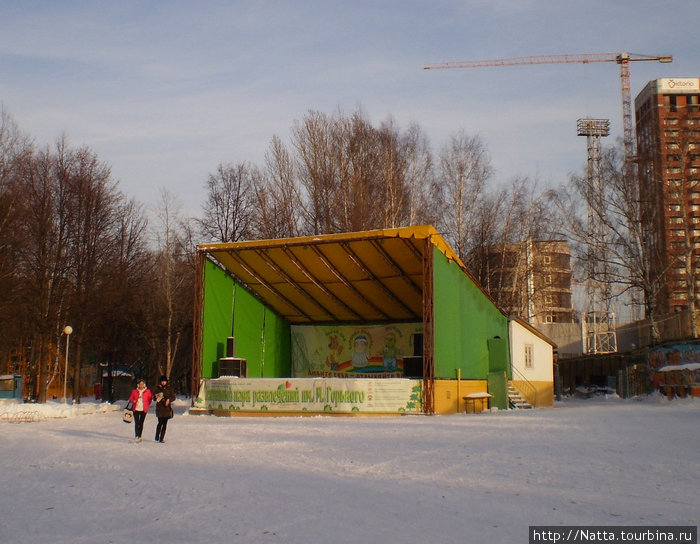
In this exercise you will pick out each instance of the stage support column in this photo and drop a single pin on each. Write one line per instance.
(428, 329)
(197, 325)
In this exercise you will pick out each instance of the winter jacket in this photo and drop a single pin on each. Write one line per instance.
(163, 410)
(147, 398)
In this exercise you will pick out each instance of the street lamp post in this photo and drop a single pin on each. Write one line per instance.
(67, 331)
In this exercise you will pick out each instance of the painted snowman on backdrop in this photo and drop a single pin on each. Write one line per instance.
(359, 356)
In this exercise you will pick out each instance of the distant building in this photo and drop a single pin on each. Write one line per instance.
(668, 150)
(532, 280)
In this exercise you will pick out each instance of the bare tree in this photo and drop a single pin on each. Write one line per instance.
(342, 174)
(79, 257)
(92, 202)
(169, 316)
(464, 169)
(124, 291)
(15, 153)
(15, 148)
(43, 226)
(509, 221)
(419, 178)
(66, 222)
(314, 142)
(616, 237)
(228, 212)
(278, 199)
(371, 183)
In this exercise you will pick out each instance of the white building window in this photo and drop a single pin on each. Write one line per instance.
(529, 355)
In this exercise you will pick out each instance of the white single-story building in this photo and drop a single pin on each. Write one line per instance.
(532, 362)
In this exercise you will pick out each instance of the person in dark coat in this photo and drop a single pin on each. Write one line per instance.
(165, 396)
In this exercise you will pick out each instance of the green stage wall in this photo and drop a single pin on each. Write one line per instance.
(218, 313)
(262, 337)
(464, 320)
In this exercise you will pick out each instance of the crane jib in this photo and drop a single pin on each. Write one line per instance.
(623, 59)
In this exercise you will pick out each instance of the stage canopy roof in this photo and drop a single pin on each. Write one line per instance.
(372, 276)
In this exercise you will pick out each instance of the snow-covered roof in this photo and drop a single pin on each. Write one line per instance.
(689, 366)
(118, 373)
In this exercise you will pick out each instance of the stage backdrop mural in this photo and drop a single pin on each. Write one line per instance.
(350, 351)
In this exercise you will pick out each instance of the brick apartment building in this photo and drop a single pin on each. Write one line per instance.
(668, 151)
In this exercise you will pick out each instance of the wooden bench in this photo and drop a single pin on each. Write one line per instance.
(471, 399)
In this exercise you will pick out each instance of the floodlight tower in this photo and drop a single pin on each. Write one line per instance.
(598, 322)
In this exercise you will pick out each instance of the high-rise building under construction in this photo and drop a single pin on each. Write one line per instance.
(668, 161)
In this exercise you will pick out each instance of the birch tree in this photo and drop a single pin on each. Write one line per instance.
(421, 187)
(464, 169)
(315, 143)
(169, 316)
(277, 195)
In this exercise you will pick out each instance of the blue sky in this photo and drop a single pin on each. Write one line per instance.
(165, 91)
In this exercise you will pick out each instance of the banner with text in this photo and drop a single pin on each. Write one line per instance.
(316, 395)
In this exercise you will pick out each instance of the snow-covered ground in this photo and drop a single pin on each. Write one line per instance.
(79, 478)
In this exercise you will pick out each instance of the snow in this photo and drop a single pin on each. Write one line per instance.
(688, 366)
(72, 474)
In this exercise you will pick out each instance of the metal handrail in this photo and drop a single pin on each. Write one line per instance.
(529, 387)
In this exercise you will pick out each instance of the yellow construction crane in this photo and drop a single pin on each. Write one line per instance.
(623, 59)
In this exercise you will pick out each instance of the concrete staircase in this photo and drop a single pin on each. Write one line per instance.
(515, 400)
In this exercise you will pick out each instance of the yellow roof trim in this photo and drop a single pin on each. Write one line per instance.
(419, 232)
